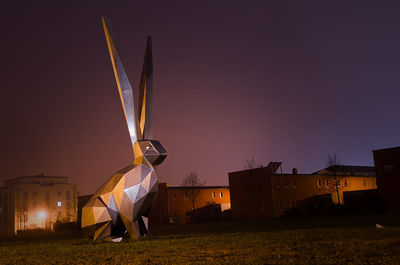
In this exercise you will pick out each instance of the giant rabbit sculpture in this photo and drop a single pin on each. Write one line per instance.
(121, 207)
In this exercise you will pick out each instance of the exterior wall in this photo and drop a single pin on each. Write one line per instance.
(179, 203)
(6, 211)
(288, 189)
(259, 194)
(37, 202)
(251, 193)
(159, 211)
(387, 167)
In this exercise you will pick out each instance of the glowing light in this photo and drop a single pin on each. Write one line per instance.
(41, 214)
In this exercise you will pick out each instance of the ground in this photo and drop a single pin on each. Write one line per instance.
(329, 240)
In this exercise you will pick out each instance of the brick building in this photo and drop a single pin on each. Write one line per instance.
(387, 165)
(179, 201)
(36, 202)
(172, 203)
(263, 193)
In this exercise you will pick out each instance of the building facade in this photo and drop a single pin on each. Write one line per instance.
(387, 165)
(173, 202)
(263, 193)
(180, 202)
(36, 202)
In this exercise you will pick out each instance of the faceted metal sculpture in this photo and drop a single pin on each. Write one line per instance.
(122, 205)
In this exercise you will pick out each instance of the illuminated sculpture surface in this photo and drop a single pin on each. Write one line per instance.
(122, 205)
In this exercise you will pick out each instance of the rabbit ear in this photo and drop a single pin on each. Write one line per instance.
(146, 93)
(124, 87)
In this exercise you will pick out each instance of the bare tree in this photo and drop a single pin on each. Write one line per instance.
(333, 178)
(192, 185)
(251, 163)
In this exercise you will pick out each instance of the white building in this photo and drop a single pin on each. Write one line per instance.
(36, 202)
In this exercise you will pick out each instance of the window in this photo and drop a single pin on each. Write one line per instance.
(278, 183)
(286, 183)
(186, 196)
(59, 215)
(319, 183)
(221, 195)
(280, 206)
(389, 168)
(326, 183)
(68, 204)
(345, 182)
(173, 195)
(365, 183)
(47, 195)
(59, 203)
(59, 193)
(25, 206)
(294, 183)
(34, 194)
(213, 195)
(68, 195)
(25, 195)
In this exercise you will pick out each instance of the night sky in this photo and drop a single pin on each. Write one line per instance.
(289, 81)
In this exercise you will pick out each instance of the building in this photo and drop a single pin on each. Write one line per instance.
(263, 193)
(180, 203)
(36, 202)
(387, 166)
(173, 202)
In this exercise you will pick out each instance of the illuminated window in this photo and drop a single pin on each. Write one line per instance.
(213, 195)
(221, 195)
(59, 203)
(294, 183)
(278, 183)
(173, 196)
(186, 196)
(319, 183)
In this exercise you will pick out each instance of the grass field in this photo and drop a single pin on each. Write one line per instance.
(339, 240)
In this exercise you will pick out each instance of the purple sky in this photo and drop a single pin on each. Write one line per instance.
(289, 81)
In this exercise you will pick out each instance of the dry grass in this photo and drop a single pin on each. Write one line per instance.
(294, 241)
